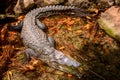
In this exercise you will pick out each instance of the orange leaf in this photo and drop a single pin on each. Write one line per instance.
(78, 31)
(62, 48)
(69, 75)
(20, 18)
(88, 17)
(35, 62)
(30, 67)
(69, 29)
(87, 26)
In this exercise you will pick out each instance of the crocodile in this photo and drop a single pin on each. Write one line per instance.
(41, 46)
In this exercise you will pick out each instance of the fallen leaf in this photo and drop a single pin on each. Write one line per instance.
(69, 75)
(78, 31)
(87, 26)
(35, 62)
(61, 48)
(20, 18)
(88, 17)
(30, 67)
(69, 29)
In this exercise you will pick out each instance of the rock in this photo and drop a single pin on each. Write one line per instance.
(28, 3)
(117, 2)
(48, 2)
(39, 3)
(53, 1)
(76, 2)
(17, 9)
(110, 22)
(104, 2)
(110, 2)
(23, 5)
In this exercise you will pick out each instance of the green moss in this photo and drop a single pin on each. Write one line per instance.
(110, 31)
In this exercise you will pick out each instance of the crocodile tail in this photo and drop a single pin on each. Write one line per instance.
(81, 12)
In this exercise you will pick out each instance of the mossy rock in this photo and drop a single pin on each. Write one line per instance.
(109, 22)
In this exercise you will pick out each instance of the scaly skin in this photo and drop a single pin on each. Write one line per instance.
(36, 39)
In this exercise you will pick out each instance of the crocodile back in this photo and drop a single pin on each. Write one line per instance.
(33, 36)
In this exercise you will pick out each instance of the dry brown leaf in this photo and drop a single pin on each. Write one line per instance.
(61, 48)
(87, 26)
(88, 17)
(69, 75)
(78, 31)
(69, 29)
(30, 67)
(20, 18)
